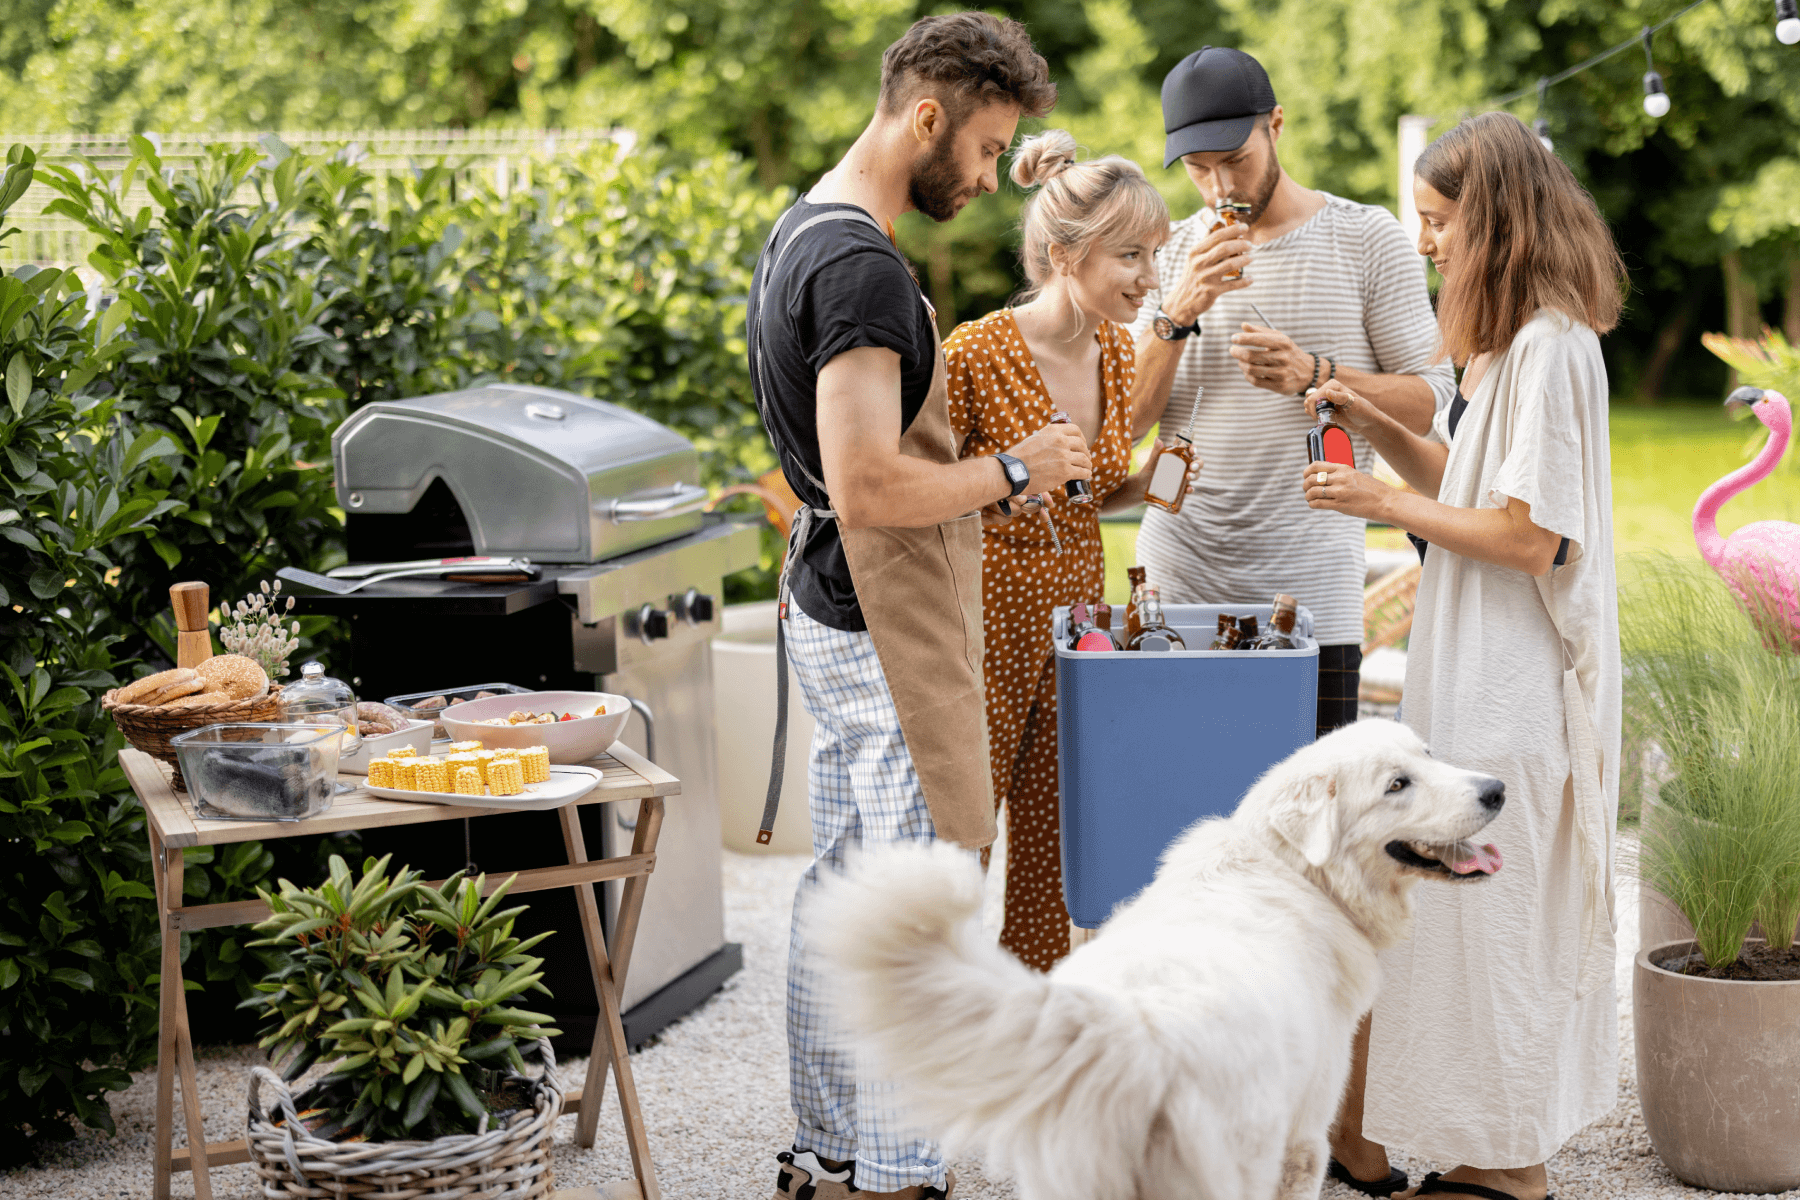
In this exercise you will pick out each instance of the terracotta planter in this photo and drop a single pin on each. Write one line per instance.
(1719, 1076)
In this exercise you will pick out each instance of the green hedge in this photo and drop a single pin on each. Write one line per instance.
(175, 423)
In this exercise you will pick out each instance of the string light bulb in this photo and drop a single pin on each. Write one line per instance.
(1656, 99)
(1787, 22)
(1541, 126)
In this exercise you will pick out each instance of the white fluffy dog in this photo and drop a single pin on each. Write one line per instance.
(1198, 1046)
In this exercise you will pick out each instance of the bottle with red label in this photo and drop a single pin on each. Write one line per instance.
(1084, 634)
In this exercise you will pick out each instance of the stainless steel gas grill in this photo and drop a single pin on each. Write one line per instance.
(606, 505)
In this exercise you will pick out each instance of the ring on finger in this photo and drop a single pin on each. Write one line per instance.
(1322, 478)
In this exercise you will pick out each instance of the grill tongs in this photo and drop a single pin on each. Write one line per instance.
(468, 569)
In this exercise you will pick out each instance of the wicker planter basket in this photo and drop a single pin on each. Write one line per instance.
(150, 726)
(508, 1163)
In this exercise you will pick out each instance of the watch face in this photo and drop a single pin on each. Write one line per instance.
(1016, 472)
(1164, 327)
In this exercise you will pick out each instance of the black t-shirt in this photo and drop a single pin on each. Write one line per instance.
(840, 285)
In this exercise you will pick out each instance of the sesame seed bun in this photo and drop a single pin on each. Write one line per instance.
(151, 688)
(236, 676)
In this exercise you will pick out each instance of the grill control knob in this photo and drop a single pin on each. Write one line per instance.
(653, 623)
(696, 608)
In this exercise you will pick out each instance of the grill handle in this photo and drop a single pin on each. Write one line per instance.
(680, 498)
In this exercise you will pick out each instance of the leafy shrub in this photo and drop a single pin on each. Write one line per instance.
(406, 991)
(77, 938)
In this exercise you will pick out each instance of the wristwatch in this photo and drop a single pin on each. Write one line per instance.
(1169, 331)
(1017, 474)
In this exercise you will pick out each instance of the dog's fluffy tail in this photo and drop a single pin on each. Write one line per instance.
(990, 1055)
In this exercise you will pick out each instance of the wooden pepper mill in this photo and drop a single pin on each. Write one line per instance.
(193, 643)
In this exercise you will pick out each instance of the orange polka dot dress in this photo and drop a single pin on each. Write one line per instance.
(997, 399)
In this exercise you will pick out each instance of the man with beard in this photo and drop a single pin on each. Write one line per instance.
(883, 620)
(1343, 293)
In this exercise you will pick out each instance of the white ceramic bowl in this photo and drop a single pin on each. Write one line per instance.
(569, 741)
(417, 734)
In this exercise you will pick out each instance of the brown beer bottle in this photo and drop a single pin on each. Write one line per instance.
(1247, 627)
(1136, 576)
(1281, 626)
(1230, 213)
(1154, 634)
(1078, 490)
(1226, 621)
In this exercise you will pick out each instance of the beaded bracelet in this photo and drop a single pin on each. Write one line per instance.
(1315, 379)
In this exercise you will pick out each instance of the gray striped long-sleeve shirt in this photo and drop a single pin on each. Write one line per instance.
(1348, 285)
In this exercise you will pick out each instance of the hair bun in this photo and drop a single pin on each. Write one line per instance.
(1043, 157)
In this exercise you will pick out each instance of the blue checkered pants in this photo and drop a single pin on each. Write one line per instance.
(862, 788)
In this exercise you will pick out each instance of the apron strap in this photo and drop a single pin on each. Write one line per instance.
(801, 529)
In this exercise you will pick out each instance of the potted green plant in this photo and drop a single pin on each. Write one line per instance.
(406, 993)
(1715, 1013)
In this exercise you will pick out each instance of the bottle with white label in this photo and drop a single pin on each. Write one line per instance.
(1170, 464)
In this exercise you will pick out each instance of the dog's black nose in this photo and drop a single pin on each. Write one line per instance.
(1492, 794)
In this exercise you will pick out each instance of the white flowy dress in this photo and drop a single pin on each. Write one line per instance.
(1495, 1036)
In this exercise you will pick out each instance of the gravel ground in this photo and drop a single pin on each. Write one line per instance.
(714, 1089)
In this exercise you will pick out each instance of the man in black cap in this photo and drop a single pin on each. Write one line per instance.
(1308, 287)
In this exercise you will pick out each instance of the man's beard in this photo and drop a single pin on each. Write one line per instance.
(936, 184)
(1259, 198)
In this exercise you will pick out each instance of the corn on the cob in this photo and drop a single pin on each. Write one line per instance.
(434, 776)
(536, 761)
(406, 774)
(468, 781)
(403, 752)
(464, 747)
(381, 772)
(506, 777)
(483, 760)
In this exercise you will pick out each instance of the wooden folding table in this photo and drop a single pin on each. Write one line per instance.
(173, 827)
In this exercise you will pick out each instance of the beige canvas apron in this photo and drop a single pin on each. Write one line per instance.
(920, 595)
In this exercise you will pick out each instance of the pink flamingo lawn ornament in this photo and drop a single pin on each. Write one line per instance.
(1761, 561)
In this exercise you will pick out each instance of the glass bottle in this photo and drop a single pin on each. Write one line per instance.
(1084, 634)
(1170, 463)
(1281, 626)
(1231, 213)
(1247, 627)
(1136, 577)
(1103, 619)
(318, 698)
(1225, 621)
(1327, 442)
(1154, 634)
(1078, 490)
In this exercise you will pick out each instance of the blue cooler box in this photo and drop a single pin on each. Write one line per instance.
(1149, 743)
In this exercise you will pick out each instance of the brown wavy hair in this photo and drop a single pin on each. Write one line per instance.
(977, 57)
(1529, 237)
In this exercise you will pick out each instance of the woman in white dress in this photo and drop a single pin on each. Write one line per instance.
(1495, 1036)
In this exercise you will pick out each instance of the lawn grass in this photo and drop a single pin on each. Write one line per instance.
(1662, 459)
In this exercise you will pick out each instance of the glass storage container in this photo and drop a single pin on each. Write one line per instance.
(260, 772)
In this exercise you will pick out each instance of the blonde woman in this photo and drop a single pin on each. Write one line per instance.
(1090, 232)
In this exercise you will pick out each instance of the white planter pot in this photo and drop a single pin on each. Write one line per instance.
(743, 655)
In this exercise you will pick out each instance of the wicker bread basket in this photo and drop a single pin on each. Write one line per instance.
(150, 726)
(511, 1162)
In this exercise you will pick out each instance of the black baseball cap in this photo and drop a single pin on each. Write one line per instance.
(1211, 100)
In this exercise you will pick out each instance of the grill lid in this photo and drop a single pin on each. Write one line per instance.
(531, 472)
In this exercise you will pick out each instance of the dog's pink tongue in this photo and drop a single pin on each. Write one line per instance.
(1486, 860)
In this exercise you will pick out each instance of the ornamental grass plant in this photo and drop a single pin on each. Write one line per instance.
(407, 993)
(1723, 842)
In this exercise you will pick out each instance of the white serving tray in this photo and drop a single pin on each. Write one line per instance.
(566, 784)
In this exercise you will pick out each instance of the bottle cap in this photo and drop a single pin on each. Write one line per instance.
(1283, 600)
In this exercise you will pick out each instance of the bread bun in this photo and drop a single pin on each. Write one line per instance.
(234, 675)
(199, 700)
(1042, 158)
(151, 689)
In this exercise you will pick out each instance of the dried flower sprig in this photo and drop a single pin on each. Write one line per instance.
(256, 630)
